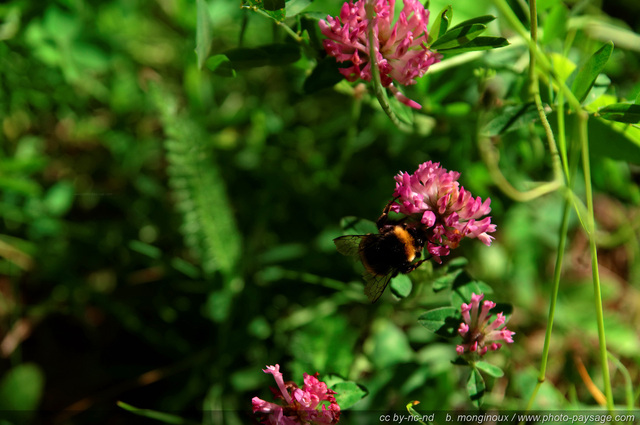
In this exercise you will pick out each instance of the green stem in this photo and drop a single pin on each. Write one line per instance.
(381, 95)
(542, 59)
(534, 89)
(583, 119)
(491, 159)
(628, 383)
(286, 28)
(557, 272)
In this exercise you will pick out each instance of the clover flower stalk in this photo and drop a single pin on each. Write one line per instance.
(434, 195)
(301, 406)
(401, 49)
(478, 335)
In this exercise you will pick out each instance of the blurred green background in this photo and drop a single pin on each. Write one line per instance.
(166, 232)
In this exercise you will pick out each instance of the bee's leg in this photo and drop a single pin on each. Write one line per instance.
(382, 220)
(412, 267)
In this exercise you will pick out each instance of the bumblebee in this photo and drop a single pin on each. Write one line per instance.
(385, 254)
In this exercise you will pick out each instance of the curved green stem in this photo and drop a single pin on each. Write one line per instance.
(583, 119)
(380, 92)
(536, 55)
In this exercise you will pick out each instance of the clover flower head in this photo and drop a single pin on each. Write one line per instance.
(401, 48)
(478, 335)
(444, 206)
(300, 406)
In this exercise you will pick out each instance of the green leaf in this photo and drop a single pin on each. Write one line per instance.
(59, 198)
(443, 321)
(323, 76)
(555, 26)
(446, 281)
(458, 37)
(275, 9)
(273, 5)
(440, 24)
(326, 344)
(511, 118)
(490, 369)
(21, 389)
(204, 35)
(145, 249)
(484, 19)
(478, 44)
(388, 345)
(153, 414)
(401, 286)
(294, 7)
(588, 73)
(402, 111)
(23, 186)
(614, 140)
(221, 65)
(621, 112)
(464, 288)
(476, 388)
(282, 53)
(352, 225)
(271, 54)
(348, 393)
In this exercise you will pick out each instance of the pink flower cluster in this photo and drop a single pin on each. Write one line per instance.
(401, 49)
(448, 209)
(477, 334)
(300, 404)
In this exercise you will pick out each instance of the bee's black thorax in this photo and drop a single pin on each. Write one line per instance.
(394, 248)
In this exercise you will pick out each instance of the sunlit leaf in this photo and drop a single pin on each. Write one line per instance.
(294, 7)
(440, 24)
(221, 65)
(588, 73)
(348, 393)
(491, 370)
(621, 112)
(401, 286)
(555, 25)
(204, 35)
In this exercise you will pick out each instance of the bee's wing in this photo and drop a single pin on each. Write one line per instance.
(376, 283)
(348, 245)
